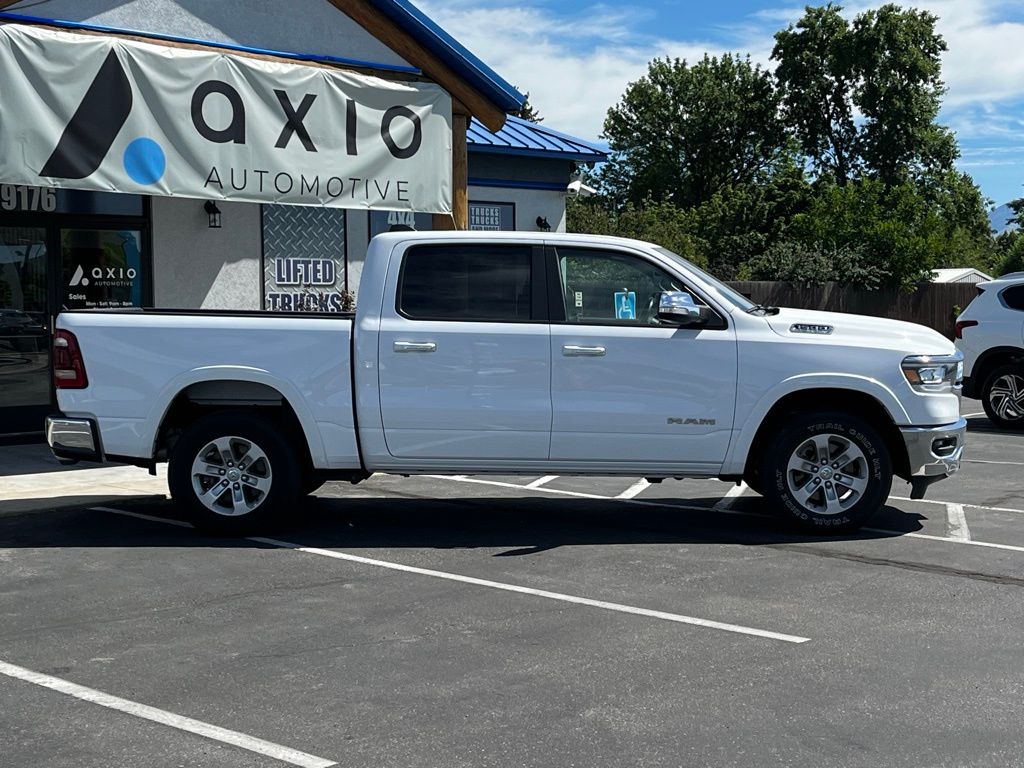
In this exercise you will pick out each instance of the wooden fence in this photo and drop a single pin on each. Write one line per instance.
(933, 304)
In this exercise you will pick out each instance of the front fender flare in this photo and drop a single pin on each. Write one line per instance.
(736, 461)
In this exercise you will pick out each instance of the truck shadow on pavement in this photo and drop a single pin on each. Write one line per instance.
(514, 526)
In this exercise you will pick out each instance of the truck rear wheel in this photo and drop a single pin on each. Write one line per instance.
(1003, 397)
(233, 473)
(829, 472)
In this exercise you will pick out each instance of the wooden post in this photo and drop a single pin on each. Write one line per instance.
(460, 179)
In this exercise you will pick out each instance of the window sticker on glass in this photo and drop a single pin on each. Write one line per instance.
(625, 305)
(579, 299)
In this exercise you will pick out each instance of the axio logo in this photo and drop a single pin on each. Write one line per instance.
(104, 276)
(94, 127)
(79, 277)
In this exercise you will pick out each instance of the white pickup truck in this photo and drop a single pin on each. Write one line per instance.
(513, 353)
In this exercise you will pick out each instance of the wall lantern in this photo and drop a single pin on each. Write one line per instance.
(213, 212)
(542, 224)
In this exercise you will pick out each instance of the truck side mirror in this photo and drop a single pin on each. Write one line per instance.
(679, 308)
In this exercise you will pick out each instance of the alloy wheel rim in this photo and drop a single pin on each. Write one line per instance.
(1007, 397)
(231, 476)
(827, 474)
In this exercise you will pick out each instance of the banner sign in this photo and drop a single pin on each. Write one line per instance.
(115, 115)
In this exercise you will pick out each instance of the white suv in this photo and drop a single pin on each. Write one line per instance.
(990, 333)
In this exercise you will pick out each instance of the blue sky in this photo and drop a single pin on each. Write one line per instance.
(576, 58)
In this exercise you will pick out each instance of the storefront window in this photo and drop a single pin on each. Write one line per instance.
(493, 217)
(24, 340)
(102, 268)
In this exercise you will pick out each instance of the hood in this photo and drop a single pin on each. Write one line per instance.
(861, 331)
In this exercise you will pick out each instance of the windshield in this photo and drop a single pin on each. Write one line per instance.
(735, 298)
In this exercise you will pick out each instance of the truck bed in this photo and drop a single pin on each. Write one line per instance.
(137, 369)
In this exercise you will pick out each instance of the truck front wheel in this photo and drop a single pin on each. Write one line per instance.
(232, 473)
(829, 472)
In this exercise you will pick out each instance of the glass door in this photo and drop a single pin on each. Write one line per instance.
(25, 389)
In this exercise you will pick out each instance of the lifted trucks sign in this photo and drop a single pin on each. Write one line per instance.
(111, 114)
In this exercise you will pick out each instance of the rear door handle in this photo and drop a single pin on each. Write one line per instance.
(574, 350)
(415, 346)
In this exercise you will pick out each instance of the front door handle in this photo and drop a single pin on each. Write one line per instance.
(415, 346)
(574, 350)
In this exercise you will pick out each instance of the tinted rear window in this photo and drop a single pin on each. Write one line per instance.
(1013, 297)
(467, 283)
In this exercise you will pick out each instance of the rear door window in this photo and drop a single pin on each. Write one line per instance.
(467, 283)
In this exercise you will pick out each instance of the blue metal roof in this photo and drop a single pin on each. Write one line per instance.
(450, 51)
(523, 138)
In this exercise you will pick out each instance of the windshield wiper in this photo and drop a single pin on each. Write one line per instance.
(763, 309)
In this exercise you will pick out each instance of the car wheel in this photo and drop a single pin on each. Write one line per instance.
(1003, 397)
(233, 473)
(828, 472)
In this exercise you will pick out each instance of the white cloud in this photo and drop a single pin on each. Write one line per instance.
(574, 67)
(577, 65)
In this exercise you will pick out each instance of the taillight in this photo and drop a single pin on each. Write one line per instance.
(961, 324)
(68, 365)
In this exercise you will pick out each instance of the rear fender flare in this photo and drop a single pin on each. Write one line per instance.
(288, 391)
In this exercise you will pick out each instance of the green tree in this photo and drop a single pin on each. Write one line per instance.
(887, 66)
(683, 133)
(1017, 206)
(899, 56)
(816, 75)
(528, 112)
(815, 263)
(661, 223)
(1010, 253)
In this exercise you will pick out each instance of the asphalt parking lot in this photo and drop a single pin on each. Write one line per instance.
(545, 621)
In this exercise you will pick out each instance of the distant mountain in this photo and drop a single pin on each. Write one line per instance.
(1000, 219)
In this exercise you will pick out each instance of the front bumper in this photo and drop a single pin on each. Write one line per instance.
(934, 452)
(73, 440)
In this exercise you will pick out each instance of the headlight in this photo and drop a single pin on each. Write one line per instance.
(939, 373)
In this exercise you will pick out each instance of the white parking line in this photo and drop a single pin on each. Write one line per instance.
(957, 522)
(541, 481)
(679, 618)
(618, 607)
(947, 539)
(693, 508)
(944, 503)
(635, 489)
(986, 461)
(234, 738)
(169, 521)
(580, 495)
(730, 497)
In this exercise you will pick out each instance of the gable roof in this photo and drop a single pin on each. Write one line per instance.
(959, 275)
(450, 51)
(522, 138)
